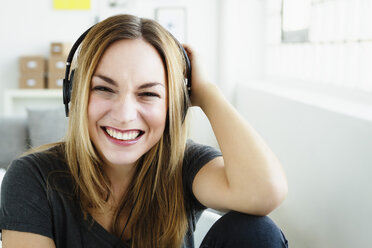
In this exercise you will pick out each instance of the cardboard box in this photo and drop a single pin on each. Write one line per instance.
(32, 64)
(57, 65)
(32, 81)
(60, 49)
(55, 81)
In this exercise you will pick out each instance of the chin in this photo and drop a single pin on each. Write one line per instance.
(122, 160)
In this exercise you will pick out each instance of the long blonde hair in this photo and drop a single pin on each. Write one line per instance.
(159, 216)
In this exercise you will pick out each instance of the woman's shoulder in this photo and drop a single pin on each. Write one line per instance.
(200, 152)
(39, 171)
(196, 156)
(41, 162)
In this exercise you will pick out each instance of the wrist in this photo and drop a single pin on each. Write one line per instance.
(207, 94)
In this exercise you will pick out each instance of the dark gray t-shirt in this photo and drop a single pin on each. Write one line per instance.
(37, 196)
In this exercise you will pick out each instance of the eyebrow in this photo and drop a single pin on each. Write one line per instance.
(106, 79)
(142, 86)
(151, 84)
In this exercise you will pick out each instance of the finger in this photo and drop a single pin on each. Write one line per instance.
(188, 49)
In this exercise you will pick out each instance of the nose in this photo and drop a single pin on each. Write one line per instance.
(125, 109)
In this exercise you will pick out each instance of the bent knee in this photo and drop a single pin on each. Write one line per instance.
(236, 229)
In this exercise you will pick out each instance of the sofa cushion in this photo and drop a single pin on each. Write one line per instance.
(13, 141)
(46, 125)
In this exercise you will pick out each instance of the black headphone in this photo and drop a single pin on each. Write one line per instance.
(69, 77)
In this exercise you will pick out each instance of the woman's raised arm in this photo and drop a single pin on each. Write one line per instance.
(248, 178)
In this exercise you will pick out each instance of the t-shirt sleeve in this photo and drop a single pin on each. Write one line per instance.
(196, 156)
(24, 200)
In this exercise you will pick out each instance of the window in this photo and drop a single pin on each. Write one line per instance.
(295, 20)
(320, 42)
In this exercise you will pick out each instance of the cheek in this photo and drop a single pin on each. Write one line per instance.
(96, 108)
(156, 115)
(92, 105)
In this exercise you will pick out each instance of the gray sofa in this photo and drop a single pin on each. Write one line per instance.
(39, 127)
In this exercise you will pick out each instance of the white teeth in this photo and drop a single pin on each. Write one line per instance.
(122, 136)
(109, 131)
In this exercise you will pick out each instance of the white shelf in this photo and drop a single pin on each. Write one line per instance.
(17, 101)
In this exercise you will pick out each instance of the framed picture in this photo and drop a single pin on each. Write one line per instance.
(174, 20)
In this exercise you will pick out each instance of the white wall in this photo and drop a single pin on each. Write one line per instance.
(327, 157)
(240, 55)
(240, 40)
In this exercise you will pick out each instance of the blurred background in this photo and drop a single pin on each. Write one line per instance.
(298, 70)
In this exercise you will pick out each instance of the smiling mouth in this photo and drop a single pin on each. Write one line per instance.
(120, 135)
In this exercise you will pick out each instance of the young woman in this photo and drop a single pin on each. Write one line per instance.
(125, 175)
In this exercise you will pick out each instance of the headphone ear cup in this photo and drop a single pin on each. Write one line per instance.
(67, 89)
(186, 104)
(71, 83)
(187, 80)
(188, 69)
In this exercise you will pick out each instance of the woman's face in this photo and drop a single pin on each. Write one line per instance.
(128, 102)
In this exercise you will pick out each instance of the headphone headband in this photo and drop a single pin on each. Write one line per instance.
(68, 80)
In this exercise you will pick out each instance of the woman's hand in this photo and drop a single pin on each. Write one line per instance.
(199, 83)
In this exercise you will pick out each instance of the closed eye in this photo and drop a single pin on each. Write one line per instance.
(103, 89)
(149, 94)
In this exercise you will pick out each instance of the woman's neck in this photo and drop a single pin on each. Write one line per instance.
(120, 177)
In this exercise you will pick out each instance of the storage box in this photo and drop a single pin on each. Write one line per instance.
(55, 81)
(32, 81)
(60, 48)
(57, 65)
(32, 64)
